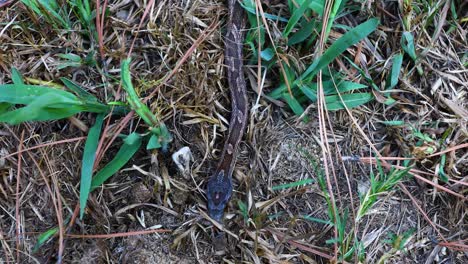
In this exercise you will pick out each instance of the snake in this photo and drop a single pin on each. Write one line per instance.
(219, 186)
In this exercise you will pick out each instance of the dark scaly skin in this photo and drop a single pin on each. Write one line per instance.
(219, 188)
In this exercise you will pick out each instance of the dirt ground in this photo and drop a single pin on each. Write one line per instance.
(151, 192)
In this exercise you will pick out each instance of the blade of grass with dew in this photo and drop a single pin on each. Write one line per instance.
(296, 16)
(87, 163)
(131, 145)
(292, 184)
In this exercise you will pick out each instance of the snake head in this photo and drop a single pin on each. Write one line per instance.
(219, 190)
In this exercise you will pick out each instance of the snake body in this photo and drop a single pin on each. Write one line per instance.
(219, 187)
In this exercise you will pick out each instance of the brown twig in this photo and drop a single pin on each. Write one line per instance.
(18, 202)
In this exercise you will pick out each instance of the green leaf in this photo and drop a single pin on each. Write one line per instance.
(422, 136)
(393, 122)
(4, 107)
(317, 220)
(44, 237)
(70, 56)
(87, 164)
(243, 209)
(50, 106)
(64, 65)
(267, 54)
(250, 7)
(329, 88)
(442, 174)
(80, 92)
(16, 76)
(293, 103)
(131, 145)
(25, 94)
(338, 47)
(296, 16)
(396, 69)
(302, 34)
(153, 143)
(407, 43)
(292, 184)
(342, 87)
(311, 93)
(332, 15)
(333, 102)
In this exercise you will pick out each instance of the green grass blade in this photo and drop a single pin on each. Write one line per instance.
(87, 164)
(333, 102)
(393, 122)
(70, 56)
(4, 107)
(292, 184)
(310, 92)
(317, 6)
(156, 127)
(153, 143)
(140, 108)
(16, 76)
(296, 16)
(131, 145)
(396, 69)
(267, 54)
(407, 43)
(82, 93)
(24, 94)
(293, 103)
(342, 87)
(317, 220)
(332, 16)
(304, 33)
(50, 106)
(44, 237)
(338, 47)
(249, 6)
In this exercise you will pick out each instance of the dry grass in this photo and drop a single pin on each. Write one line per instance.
(178, 60)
